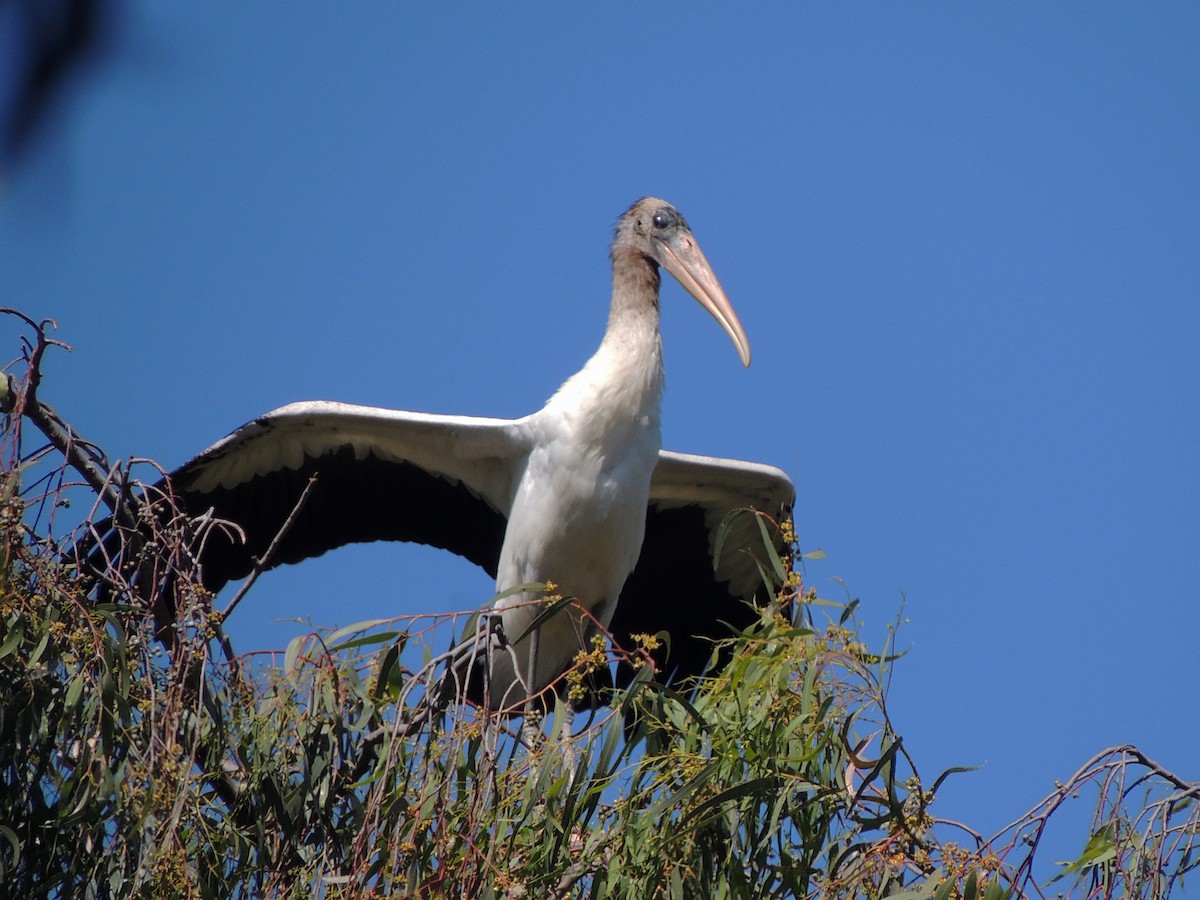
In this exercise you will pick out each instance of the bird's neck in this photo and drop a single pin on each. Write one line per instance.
(623, 381)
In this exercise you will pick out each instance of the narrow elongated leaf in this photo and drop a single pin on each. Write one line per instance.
(1100, 848)
(16, 631)
(733, 793)
(769, 547)
(366, 640)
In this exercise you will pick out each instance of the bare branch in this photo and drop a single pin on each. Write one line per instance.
(80, 454)
(264, 562)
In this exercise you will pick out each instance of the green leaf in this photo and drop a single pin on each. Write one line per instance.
(532, 587)
(16, 631)
(953, 770)
(753, 786)
(295, 645)
(13, 841)
(769, 547)
(390, 678)
(74, 691)
(918, 893)
(333, 637)
(723, 531)
(547, 611)
(366, 640)
(1101, 847)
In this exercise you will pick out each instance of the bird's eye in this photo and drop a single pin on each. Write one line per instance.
(663, 219)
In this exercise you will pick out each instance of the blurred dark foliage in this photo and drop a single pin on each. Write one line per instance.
(55, 40)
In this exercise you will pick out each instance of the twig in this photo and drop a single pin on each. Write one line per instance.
(60, 434)
(264, 562)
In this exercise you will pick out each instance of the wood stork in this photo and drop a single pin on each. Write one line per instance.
(579, 493)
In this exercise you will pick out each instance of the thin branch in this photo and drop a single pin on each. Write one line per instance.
(61, 435)
(264, 562)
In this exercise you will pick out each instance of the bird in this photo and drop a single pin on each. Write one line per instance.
(579, 494)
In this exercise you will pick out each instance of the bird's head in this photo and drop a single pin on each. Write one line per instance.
(656, 230)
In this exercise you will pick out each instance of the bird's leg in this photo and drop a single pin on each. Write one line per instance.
(531, 728)
(489, 636)
(566, 728)
(566, 733)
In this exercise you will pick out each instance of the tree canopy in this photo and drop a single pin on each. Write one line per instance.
(133, 766)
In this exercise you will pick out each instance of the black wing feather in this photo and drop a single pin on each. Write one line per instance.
(673, 589)
(352, 501)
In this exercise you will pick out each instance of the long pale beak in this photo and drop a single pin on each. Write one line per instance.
(682, 257)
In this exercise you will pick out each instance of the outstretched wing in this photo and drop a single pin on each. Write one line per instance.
(448, 481)
(676, 587)
(377, 474)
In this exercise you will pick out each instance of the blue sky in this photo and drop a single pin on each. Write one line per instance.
(963, 239)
